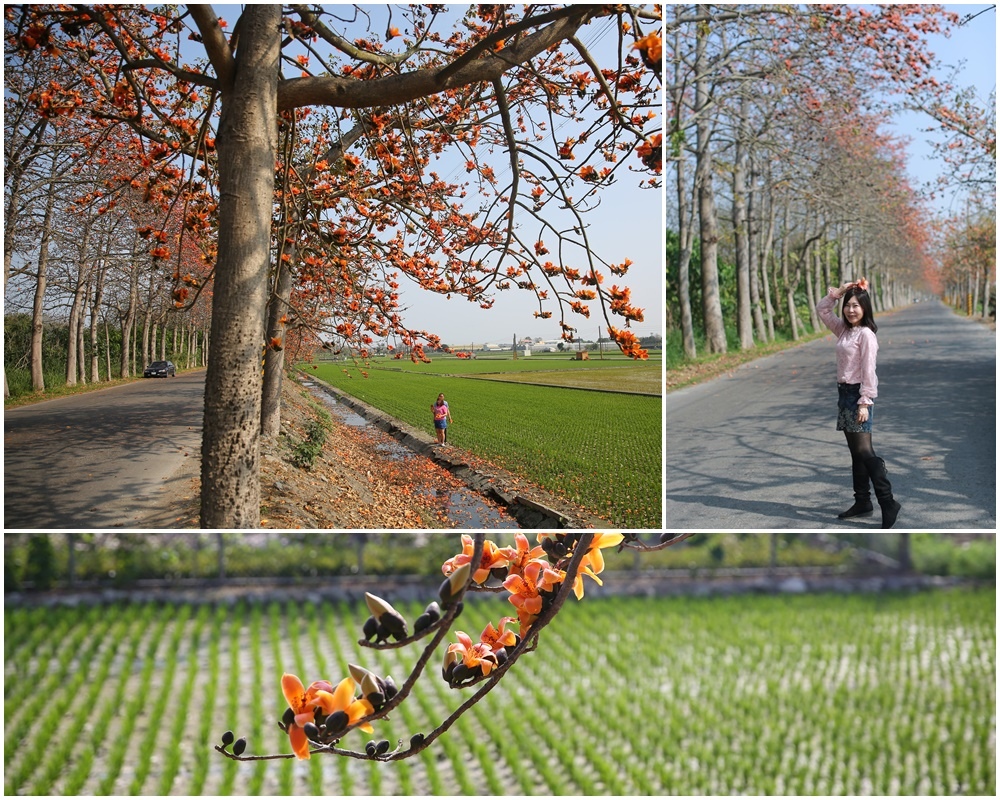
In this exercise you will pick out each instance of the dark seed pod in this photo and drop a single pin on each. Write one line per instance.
(501, 656)
(377, 699)
(416, 740)
(239, 746)
(394, 625)
(389, 688)
(433, 611)
(500, 573)
(382, 747)
(370, 748)
(311, 731)
(460, 673)
(421, 623)
(390, 621)
(448, 673)
(336, 722)
(227, 738)
(370, 628)
(288, 717)
(666, 537)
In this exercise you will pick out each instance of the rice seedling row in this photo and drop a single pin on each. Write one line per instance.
(206, 728)
(29, 662)
(155, 713)
(824, 695)
(67, 732)
(601, 450)
(67, 674)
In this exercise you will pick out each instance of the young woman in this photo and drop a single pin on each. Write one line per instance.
(442, 416)
(857, 385)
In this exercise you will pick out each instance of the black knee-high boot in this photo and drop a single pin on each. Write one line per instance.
(862, 496)
(883, 490)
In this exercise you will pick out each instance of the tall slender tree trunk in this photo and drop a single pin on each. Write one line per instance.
(77, 311)
(753, 254)
(95, 311)
(81, 348)
(715, 331)
(741, 228)
(685, 212)
(41, 279)
(247, 143)
(812, 266)
(128, 324)
(765, 259)
(107, 348)
(274, 354)
(790, 284)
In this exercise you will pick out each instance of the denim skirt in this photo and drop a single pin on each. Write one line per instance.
(847, 409)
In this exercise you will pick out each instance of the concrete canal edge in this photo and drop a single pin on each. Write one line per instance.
(529, 513)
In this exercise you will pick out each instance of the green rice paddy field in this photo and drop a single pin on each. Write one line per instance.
(599, 449)
(881, 694)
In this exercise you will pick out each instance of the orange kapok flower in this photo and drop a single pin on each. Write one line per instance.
(492, 558)
(497, 637)
(323, 696)
(519, 555)
(651, 49)
(600, 541)
(525, 589)
(477, 655)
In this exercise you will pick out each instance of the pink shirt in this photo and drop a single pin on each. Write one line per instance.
(856, 351)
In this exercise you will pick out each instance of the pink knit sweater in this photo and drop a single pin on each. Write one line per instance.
(857, 348)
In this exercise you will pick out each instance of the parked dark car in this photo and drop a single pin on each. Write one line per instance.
(160, 369)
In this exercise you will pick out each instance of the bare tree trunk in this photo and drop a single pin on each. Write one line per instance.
(765, 259)
(987, 291)
(753, 254)
(107, 348)
(812, 266)
(128, 324)
(685, 212)
(81, 348)
(741, 226)
(247, 144)
(75, 364)
(274, 354)
(41, 277)
(95, 312)
(791, 282)
(715, 330)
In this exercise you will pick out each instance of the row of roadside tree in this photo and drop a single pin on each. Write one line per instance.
(782, 178)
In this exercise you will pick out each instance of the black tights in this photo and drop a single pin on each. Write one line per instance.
(861, 446)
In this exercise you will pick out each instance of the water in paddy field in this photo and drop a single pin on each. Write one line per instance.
(462, 507)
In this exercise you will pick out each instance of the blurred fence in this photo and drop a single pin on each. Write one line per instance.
(79, 560)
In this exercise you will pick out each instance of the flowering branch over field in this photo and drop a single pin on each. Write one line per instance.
(537, 579)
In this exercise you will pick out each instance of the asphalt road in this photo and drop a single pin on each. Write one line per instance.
(104, 459)
(758, 448)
